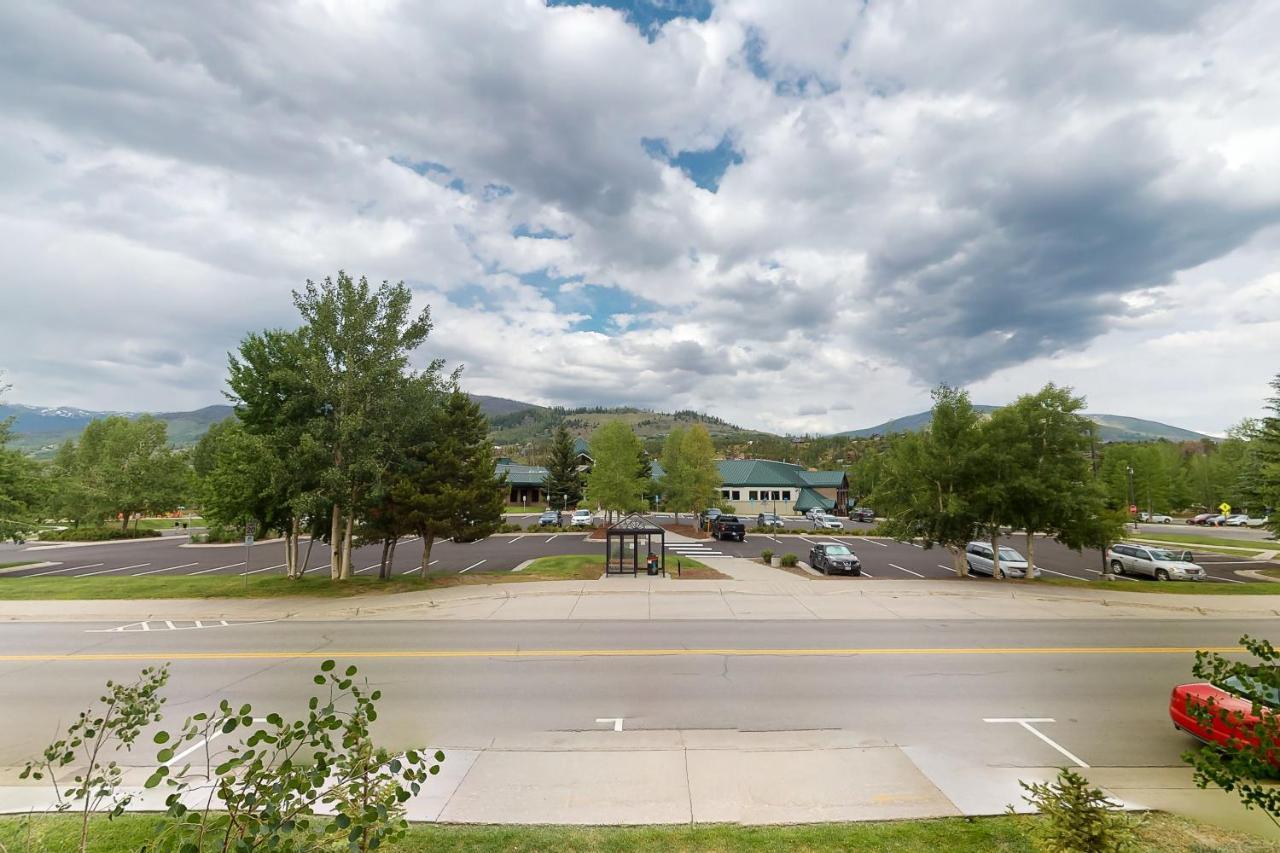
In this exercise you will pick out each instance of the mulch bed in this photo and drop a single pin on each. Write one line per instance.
(686, 530)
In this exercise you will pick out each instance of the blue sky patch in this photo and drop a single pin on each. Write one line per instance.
(648, 16)
(704, 167)
(523, 230)
(597, 303)
(422, 167)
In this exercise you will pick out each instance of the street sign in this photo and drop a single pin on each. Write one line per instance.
(1224, 508)
(248, 540)
(1133, 508)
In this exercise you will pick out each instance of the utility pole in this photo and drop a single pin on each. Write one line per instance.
(1132, 499)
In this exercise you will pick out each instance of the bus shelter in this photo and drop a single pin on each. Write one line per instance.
(622, 546)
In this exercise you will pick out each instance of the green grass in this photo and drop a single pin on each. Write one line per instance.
(569, 567)
(1003, 834)
(1171, 588)
(165, 523)
(1207, 539)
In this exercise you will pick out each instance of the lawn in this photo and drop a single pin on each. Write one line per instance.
(18, 565)
(569, 567)
(1003, 834)
(1172, 587)
(1210, 540)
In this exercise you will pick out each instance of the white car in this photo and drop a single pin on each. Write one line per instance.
(581, 517)
(1236, 520)
(827, 522)
(981, 558)
(1159, 519)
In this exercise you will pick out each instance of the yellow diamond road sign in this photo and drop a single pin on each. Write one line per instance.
(1224, 507)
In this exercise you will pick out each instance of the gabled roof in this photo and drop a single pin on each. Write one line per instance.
(820, 479)
(522, 475)
(759, 472)
(581, 447)
(809, 499)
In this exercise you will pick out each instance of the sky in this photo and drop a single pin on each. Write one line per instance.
(796, 216)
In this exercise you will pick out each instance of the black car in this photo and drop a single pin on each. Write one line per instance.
(834, 557)
(728, 527)
(862, 513)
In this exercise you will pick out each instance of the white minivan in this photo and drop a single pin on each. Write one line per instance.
(981, 559)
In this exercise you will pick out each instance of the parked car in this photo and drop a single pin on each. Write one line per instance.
(834, 557)
(813, 512)
(1157, 518)
(827, 522)
(728, 527)
(1163, 565)
(1201, 519)
(768, 519)
(982, 559)
(862, 513)
(1234, 722)
(710, 515)
(1215, 520)
(550, 518)
(1236, 520)
(581, 518)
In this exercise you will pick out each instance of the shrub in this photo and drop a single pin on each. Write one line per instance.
(509, 528)
(766, 555)
(94, 534)
(789, 560)
(1077, 817)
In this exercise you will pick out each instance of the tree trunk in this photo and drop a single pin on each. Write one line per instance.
(996, 571)
(1031, 554)
(289, 534)
(382, 564)
(391, 560)
(428, 537)
(302, 570)
(958, 561)
(295, 525)
(124, 525)
(345, 573)
(335, 543)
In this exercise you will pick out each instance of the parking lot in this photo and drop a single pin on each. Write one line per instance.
(881, 557)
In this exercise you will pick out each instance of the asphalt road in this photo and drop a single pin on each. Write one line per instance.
(1105, 684)
(881, 558)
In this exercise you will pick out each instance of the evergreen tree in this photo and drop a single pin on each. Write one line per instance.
(564, 480)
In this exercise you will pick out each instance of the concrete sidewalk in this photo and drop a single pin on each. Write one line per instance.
(717, 776)
(755, 591)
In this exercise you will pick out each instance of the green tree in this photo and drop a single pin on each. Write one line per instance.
(1266, 450)
(564, 480)
(123, 468)
(22, 489)
(677, 495)
(448, 485)
(701, 471)
(613, 482)
(1037, 453)
(929, 478)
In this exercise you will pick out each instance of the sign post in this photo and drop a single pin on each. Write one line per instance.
(250, 528)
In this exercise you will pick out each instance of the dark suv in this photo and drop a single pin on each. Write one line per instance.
(834, 557)
(862, 513)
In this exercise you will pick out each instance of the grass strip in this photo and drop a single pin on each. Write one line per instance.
(1156, 587)
(1002, 834)
(566, 567)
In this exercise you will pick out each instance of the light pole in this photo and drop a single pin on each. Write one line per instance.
(1132, 503)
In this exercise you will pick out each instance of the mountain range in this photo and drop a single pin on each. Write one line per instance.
(40, 429)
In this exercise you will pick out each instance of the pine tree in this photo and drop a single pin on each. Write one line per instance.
(564, 481)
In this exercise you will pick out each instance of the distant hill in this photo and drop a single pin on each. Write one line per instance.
(1110, 427)
(39, 430)
(535, 425)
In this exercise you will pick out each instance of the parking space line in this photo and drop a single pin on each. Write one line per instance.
(315, 568)
(67, 569)
(908, 571)
(1061, 574)
(265, 569)
(472, 566)
(806, 539)
(218, 568)
(551, 537)
(948, 568)
(1228, 580)
(166, 569)
(109, 571)
(872, 541)
(1026, 722)
(518, 538)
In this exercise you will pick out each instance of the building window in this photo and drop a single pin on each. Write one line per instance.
(724, 493)
(751, 496)
(777, 495)
(736, 493)
(786, 494)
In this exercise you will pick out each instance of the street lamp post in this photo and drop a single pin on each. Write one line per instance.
(1132, 499)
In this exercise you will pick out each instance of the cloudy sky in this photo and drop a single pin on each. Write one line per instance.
(798, 216)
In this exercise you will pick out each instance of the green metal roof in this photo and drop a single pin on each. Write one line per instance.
(580, 446)
(759, 472)
(821, 479)
(522, 475)
(809, 499)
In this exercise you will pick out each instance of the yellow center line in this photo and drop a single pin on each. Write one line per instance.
(409, 654)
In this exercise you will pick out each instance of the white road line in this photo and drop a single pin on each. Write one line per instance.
(551, 537)
(772, 538)
(450, 539)
(432, 563)
(872, 541)
(617, 722)
(266, 569)
(472, 566)
(166, 569)
(1062, 574)
(914, 545)
(367, 568)
(67, 569)
(316, 568)
(200, 744)
(948, 568)
(169, 625)
(518, 538)
(109, 571)
(867, 574)
(218, 568)
(1026, 722)
(416, 538)
(908, 571)
(1228, 580)
(810, 541)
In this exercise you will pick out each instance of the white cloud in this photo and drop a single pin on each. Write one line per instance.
(991, 194)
